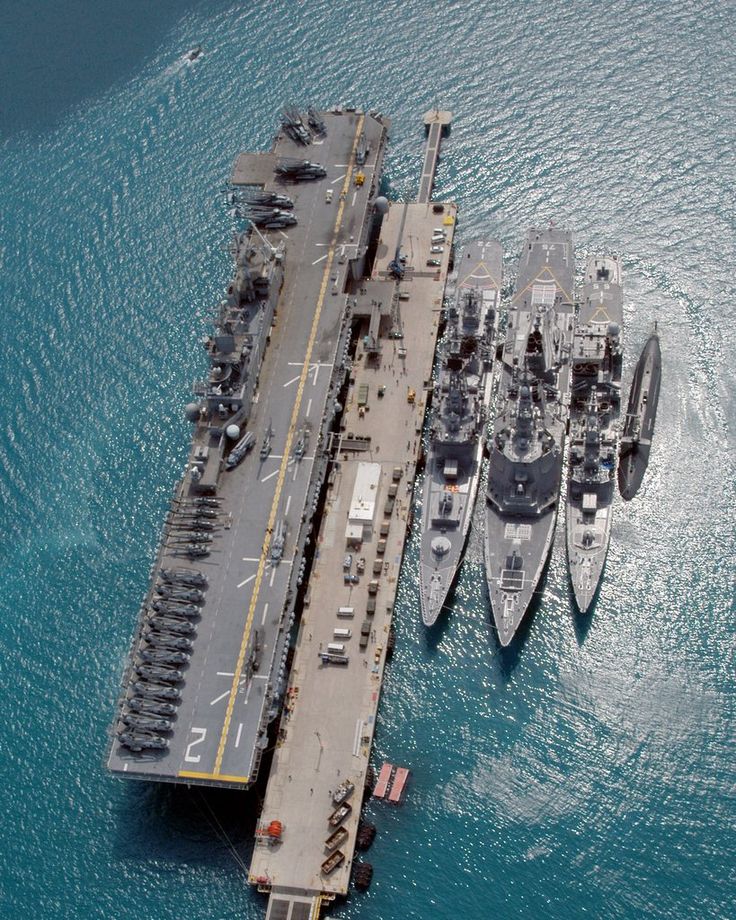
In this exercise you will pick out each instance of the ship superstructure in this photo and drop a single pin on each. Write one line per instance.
(529, 428)
(595, 409)
(457, 421)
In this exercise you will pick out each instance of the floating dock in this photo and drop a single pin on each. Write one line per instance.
(398, 786)
(384, 778)
(326, 730)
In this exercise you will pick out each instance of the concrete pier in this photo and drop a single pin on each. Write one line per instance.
(327, 726)
(437, 123)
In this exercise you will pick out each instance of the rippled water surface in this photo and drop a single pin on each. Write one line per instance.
(588, 773)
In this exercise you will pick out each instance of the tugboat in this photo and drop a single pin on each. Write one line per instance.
(525, 466)
(456, 439)
(595, 410)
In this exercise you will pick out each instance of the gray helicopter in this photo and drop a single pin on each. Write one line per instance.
(151, 690)
(173, 592)
(143, 723)
(140, 742)
(315, 122)
(168, 640)
(154, 707)
(240, 450)
(164, 656)
(184, 577)
(299, 170)
(159, 672)
(177, 609)
(173, 624)
(292, 123)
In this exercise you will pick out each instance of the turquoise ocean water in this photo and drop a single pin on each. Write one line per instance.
(590, 772)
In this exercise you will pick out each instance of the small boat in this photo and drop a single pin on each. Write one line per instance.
(336, 839)
(195, 53)
(332, 862)
(343, 791)
(339, 814)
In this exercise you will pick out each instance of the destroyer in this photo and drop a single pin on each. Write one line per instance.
(636, 440)
(595, 409)
(457, 422)
(528, 433)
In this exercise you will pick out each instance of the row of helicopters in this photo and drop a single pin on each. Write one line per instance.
(166, 645)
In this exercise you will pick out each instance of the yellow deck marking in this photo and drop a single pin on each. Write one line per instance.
(220, 777)
(471, 279)
(595, 318)
(539, 280)
(285, 459)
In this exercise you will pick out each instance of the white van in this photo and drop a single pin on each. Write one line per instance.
(340, 633)
(346, 613)
(335, 648)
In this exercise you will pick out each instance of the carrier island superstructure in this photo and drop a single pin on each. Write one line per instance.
(595, 409)
(526, 449)
(208, 663)
(460, 400)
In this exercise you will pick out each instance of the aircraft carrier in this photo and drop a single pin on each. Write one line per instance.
(208, 661)
(457, 421)
(641, 413)
(595, 409)
(529, 429)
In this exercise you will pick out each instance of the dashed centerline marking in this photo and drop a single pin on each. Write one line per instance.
(287, 451)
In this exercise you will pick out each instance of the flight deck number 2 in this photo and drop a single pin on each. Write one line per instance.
(200, 734)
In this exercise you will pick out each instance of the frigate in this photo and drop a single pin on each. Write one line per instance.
(457, 421)
(526, 449)
(595, 409)
(636, 440)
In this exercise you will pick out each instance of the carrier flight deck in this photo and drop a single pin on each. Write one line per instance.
(208, 666)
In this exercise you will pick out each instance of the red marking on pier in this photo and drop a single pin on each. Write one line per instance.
(397, 790)
(384, 777)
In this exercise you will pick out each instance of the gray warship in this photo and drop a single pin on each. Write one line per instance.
(595, 409)
(641, 412)
(213, 633)
(526, 450)
(457, 422)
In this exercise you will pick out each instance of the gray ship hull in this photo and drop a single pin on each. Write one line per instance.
(594, 426)
(642, 411)
(454, 461)
(525, 466)
(528, 540)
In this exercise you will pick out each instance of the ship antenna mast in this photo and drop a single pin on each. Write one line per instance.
(268, 248)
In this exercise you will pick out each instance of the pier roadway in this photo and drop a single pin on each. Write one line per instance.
(327, 726)
(437, 124)
(226, 701)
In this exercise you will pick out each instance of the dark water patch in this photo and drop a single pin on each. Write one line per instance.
(58, 54)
